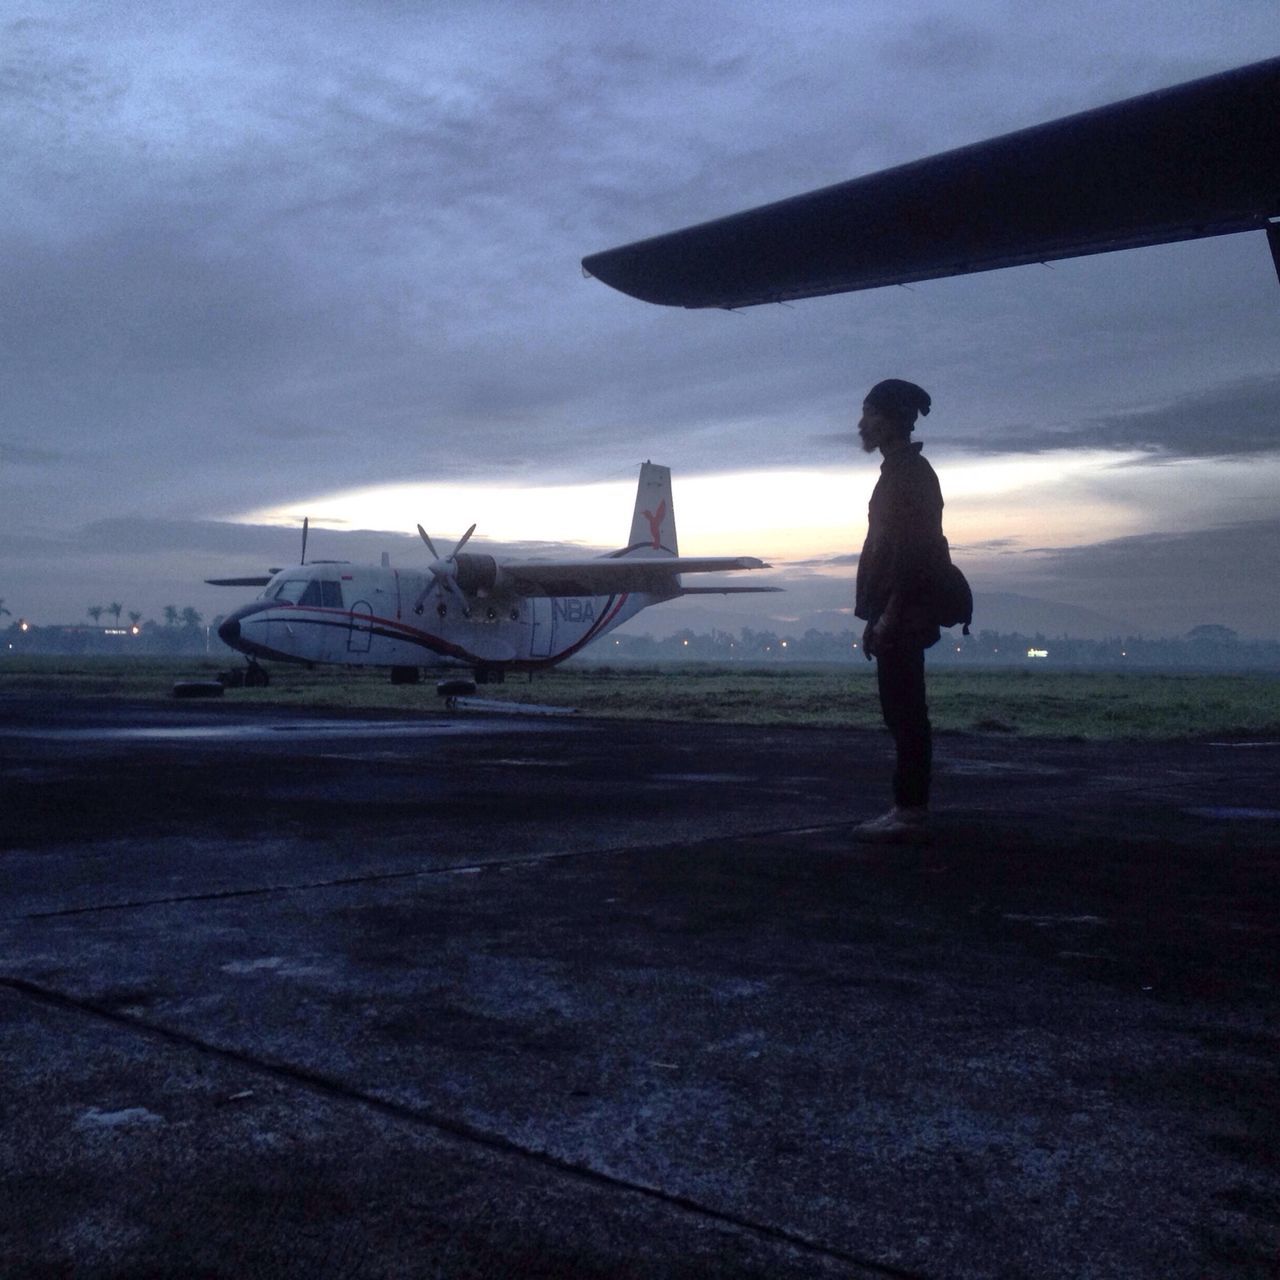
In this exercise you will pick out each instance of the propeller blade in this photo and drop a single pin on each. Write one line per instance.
(444, 573)
(306, 521)
(463, 542)
(442, 579)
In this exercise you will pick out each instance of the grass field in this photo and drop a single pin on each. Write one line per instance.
(1009, 701)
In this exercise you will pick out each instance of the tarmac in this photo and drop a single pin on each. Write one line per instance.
(294, 994)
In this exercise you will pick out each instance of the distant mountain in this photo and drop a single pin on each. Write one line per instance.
(816, 603)
(1005, 611)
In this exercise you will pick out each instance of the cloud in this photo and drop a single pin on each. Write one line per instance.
(142, 537)
(43, 78)
(1173, 581)
(1237, 419)
(822, 562)
(132, 536)
(941, 44)
(1251, 549)
(15, 454)
(988, 544)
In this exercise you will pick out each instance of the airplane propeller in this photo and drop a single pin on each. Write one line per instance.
(444, 573)
(261, 581)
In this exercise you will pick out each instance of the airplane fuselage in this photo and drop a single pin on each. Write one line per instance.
(365, 615)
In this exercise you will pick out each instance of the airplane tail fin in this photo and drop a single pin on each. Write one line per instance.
(653, 525)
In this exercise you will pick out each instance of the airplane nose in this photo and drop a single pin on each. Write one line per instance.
(229, 632)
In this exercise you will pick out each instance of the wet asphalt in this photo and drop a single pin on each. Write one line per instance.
(295, 994)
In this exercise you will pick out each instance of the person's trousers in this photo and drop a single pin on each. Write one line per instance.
(900, 675)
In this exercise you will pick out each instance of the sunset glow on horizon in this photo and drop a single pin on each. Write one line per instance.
(789, 514)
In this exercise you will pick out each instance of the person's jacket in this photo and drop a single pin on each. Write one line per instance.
(905, 550)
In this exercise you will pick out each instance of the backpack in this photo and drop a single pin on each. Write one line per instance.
(952, 596)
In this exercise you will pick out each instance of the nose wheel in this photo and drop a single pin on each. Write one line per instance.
(256, 677)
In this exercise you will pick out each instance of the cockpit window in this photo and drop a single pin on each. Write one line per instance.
(306, 591)
(292, 590)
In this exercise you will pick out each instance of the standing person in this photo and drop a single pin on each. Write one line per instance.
(897, 573)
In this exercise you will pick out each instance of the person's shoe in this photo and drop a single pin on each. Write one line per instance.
(898, 826)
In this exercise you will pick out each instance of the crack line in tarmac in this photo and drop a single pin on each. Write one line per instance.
(457, 1129)
(458, 869)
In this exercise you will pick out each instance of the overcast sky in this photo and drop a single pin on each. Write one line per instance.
(270, 260)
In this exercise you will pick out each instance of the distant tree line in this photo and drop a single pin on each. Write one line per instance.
(1209, 646)
(183, 631)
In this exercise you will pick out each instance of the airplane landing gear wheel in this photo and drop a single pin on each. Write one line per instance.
(256, 677)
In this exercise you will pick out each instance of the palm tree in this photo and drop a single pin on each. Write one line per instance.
(135, 616)
(190, 618)
(3, 610)
(95, 611)
(114, 609)
(170, 615)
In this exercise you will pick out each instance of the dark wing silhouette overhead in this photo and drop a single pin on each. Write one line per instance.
(1198, 159)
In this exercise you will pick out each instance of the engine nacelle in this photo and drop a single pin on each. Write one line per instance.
(475, 573)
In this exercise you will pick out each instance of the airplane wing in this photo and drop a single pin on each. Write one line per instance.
(238, 582)
(1198, 159)
(609, 575)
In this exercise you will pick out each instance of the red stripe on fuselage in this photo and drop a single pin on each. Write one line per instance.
(414, 635)
(606, 616)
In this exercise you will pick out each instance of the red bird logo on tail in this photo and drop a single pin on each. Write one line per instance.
(655, 520)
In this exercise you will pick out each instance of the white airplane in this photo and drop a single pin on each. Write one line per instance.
(470, 610)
